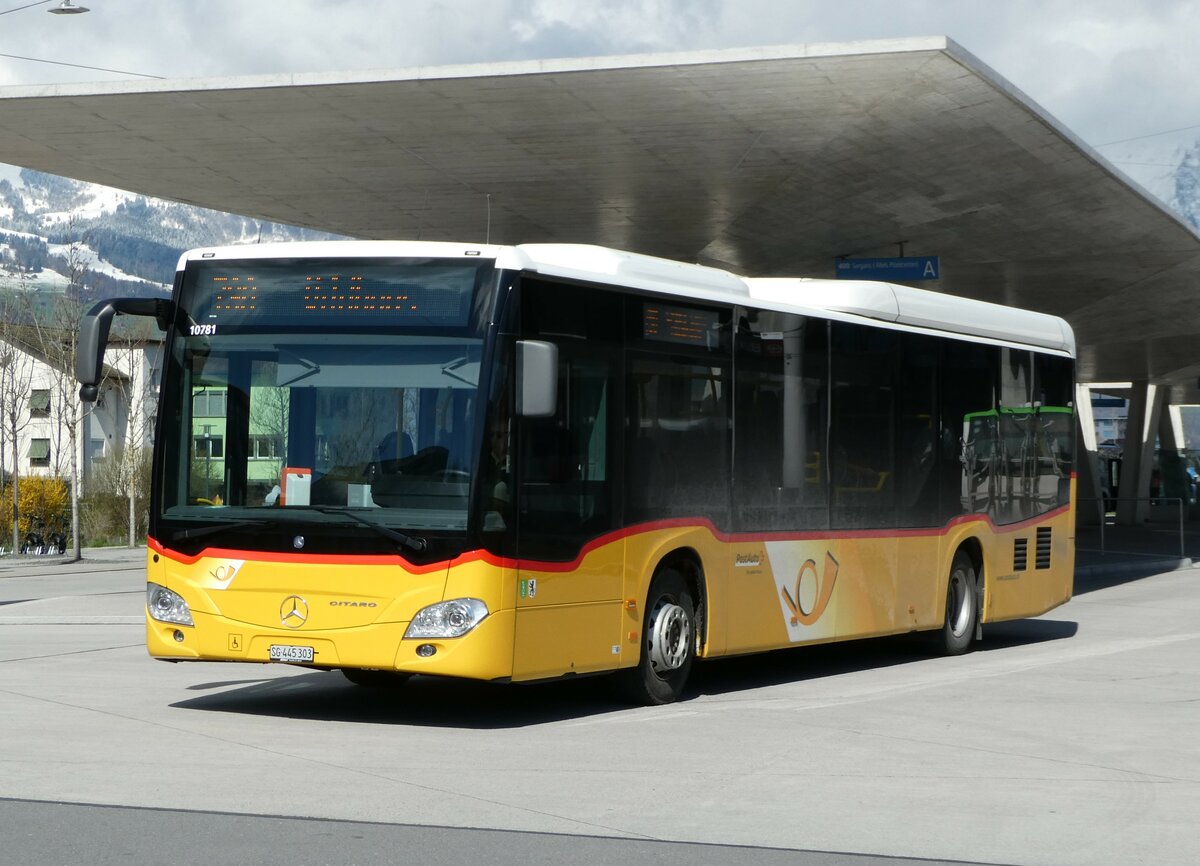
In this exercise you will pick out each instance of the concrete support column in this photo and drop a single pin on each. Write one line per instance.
(1090, 508)
(1137, 453)
(1175, 417)
(1174, 472)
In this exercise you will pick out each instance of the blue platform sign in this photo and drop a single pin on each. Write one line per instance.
(903, 269)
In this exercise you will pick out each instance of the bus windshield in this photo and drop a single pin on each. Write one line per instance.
(301, 390)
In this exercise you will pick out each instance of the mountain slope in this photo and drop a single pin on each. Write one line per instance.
(115, 242)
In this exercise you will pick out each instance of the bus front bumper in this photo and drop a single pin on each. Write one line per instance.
(484, 653)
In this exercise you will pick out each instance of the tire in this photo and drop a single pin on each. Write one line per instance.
(668, 642)
(375, 679)
(962, 608)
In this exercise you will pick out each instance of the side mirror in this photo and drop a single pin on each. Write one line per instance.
(537, 378)
(93, 336)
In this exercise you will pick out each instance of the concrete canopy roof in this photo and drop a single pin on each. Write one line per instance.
(769, 162)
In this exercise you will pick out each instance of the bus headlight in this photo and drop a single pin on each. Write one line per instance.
(448, 618)
(167, 606)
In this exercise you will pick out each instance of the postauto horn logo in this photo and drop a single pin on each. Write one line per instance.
(811, 594)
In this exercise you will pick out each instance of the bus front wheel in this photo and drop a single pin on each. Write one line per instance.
(668, 642)
(962, 610)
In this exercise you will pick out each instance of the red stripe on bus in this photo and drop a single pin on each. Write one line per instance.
(601, 541)
(297, 558)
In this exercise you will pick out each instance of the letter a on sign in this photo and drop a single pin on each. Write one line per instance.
(930, 272)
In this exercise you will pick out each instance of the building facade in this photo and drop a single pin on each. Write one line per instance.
(39, 398)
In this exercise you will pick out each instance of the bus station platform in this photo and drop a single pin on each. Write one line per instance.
(94, 559)
(1120, 553)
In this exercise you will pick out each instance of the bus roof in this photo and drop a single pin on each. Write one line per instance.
(919, 308)
(882, 302)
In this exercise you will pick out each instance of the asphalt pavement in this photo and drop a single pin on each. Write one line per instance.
(1067, 739)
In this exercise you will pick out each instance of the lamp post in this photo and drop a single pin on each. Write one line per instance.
(66, 7)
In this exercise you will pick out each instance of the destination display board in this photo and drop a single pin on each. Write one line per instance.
(223, 296)
(666, 323)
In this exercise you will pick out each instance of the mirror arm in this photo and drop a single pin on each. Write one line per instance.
(93, 336)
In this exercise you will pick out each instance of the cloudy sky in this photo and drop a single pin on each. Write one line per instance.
(1108, 70)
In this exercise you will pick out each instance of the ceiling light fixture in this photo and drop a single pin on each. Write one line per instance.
(66, 7)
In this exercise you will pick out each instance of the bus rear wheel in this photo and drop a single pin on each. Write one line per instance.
(375, 679)
(962, 609)
(668, 642)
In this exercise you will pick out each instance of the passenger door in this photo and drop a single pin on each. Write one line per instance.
(570, 562)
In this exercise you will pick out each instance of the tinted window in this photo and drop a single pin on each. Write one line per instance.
(916, 432)
(679, 412)
(568, 462)
(780, 466)
(1055, 388)
(863, 372)
(969, 430)
(679, 453)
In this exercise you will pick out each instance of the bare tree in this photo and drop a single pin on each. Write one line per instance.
(133, 356)
(56, 336)
(72, 306)
(16, 379)
(57, 339)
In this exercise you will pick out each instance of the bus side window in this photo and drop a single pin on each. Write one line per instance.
(565, 472)
(780, 422)
(863, 370)
(967, 408)
(680, 447)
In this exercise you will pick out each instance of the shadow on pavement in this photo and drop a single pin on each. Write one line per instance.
(723, 676)
(1128, 572)
(1025, 632)
(422, 701)
(432, 702)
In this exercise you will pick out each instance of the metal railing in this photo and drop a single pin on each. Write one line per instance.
(1153, 500)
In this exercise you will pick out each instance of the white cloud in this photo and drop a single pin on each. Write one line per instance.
(1106, 69)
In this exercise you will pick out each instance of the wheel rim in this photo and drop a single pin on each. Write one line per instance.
(958, 604)
(669, 637)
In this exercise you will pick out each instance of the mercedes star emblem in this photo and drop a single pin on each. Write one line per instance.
(293, 612)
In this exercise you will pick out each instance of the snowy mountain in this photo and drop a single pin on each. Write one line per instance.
(1187, 186)
(116, 242)
(1167, 166)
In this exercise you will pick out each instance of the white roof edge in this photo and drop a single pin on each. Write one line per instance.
(920, 308)
(797, 51)
(584, 262)
(633, 270)
(885, 302)
(338, 249)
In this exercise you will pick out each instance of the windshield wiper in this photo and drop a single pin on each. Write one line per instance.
(451, 369)
(413, 542)
(202, 531)
(311, 368)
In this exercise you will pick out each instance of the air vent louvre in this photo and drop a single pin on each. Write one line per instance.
(1020, 554)
(1043, 546)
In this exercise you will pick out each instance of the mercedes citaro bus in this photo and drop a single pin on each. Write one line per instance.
(527, 462)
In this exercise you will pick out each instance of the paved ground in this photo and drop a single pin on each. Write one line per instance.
(1069, 739)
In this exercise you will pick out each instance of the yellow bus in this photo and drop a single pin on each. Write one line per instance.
(529, 462)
